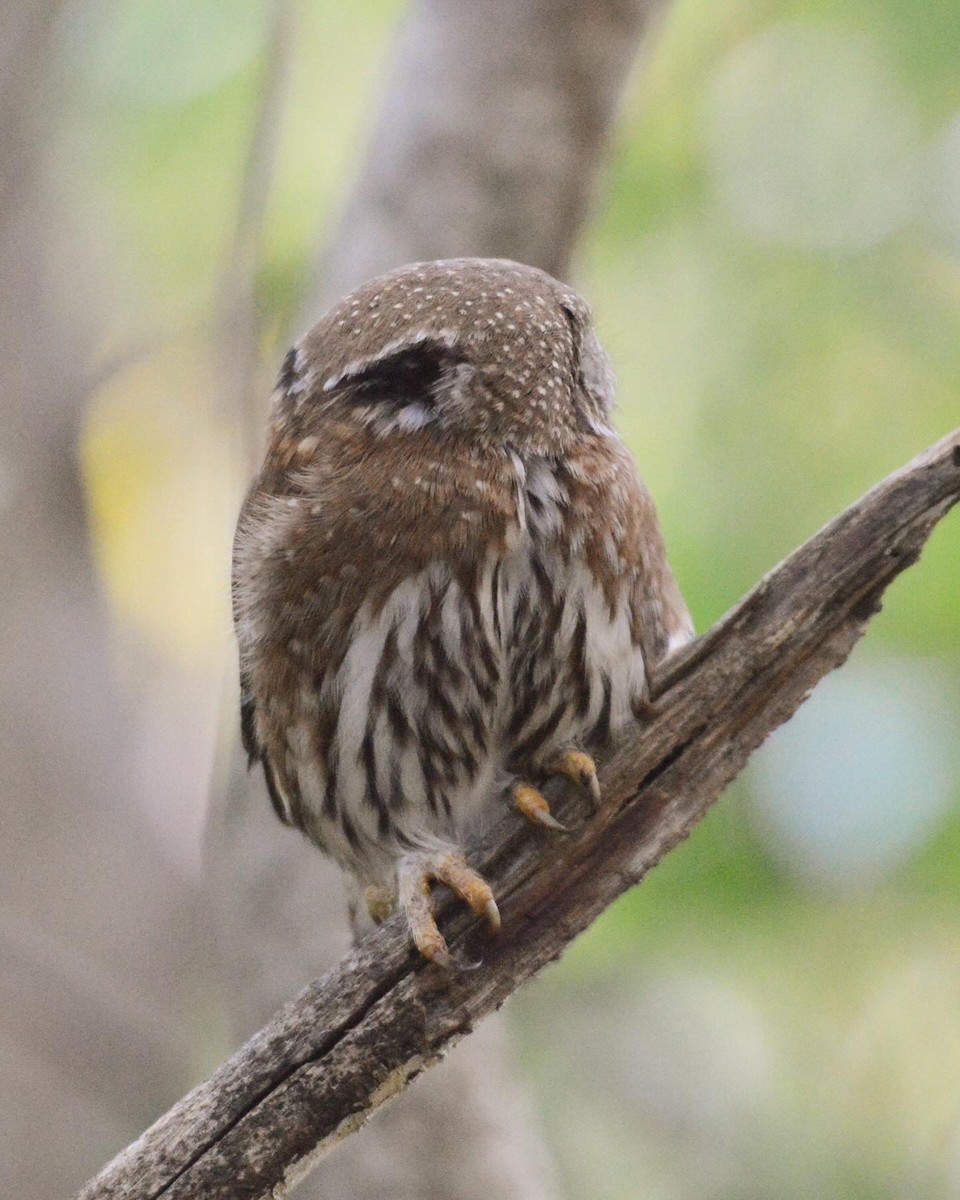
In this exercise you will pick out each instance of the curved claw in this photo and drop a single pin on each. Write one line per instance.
(546, 818)
(580, 769)
(492, 913)
(445, 958)
(534, 806)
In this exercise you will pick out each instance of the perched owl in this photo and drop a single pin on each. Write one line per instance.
(449, 581)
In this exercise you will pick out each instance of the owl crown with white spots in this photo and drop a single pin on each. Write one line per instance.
(449, 581)
(481, 349)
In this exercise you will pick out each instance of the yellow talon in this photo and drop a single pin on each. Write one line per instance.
(380, 903)
(534, 806)
(580, 769)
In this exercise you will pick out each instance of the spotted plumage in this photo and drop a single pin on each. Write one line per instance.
(449, 580)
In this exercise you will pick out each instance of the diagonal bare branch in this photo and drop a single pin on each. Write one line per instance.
(357, 1036)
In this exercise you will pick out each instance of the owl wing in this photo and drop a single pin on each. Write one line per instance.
(327, 540)
(248, 727)
(256, 754)
(663, 619)
(614, 519)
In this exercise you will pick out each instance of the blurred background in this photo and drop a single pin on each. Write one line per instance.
(765, 218)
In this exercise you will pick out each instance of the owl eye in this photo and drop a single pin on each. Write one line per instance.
(413, 374)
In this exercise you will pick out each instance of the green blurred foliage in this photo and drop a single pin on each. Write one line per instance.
(777, 357)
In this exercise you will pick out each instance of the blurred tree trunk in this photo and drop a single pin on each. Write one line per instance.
(490, 140)
(94, 934)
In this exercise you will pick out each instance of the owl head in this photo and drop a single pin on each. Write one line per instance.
(486, 350)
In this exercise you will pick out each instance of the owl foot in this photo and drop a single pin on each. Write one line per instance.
(381, 903)
(415, 873)
(534, 806)
(580, 769)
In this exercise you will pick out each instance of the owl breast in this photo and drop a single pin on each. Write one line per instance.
(456, 683)
(574, 661)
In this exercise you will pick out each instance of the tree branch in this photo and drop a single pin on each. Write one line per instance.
(357, 1036)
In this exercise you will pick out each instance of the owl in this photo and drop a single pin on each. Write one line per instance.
(449, 582)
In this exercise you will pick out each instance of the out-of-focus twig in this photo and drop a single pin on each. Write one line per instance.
(356, 1037)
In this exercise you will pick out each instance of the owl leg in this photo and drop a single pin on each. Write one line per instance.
(415, 873)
